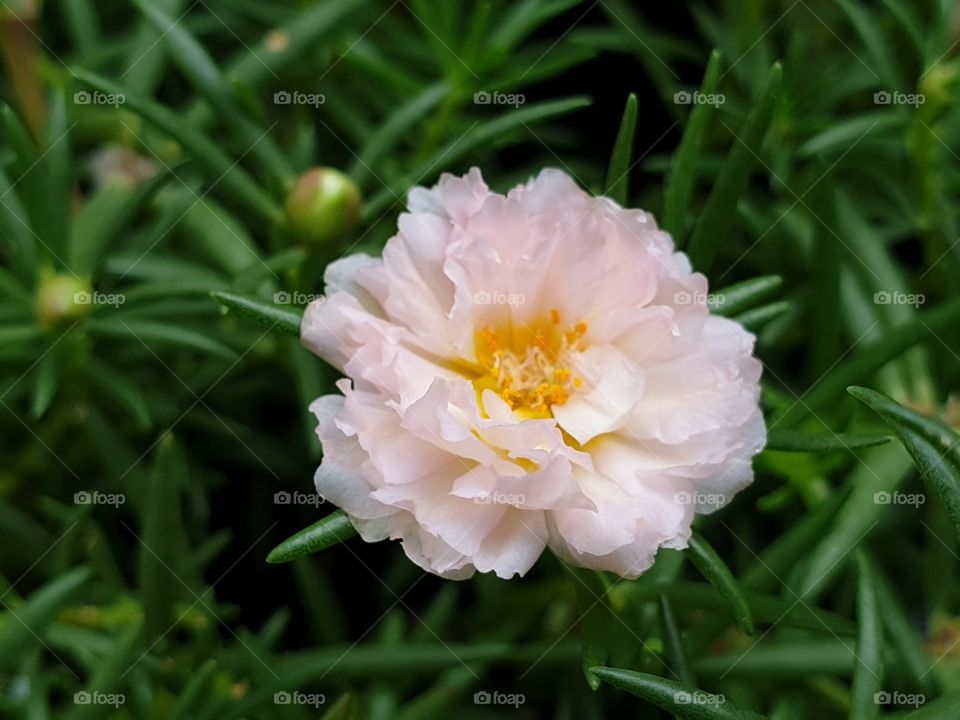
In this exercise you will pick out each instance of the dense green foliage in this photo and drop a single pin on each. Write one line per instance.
(154, 402)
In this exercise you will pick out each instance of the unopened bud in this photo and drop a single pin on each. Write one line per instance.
(61, 298)
(323, 206)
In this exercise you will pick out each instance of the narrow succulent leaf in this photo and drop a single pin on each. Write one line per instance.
(743, 296)
(161, 334)
(712, 567)
(933, 445)
(618, 170)
(868, 670)
(720, 212)
(872, 355)
(25, 625)
(274, 316)
(672, 696)
(687, 158)
(163, 546)
(332, 530)
(673, 643)
(797, 441)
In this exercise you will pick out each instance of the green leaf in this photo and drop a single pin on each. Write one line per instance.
(880, 471)
(163, 547)
(150, 332)
(756, 318)
(796, 441)
(868, 671)
(275, 316)
(478, 136)
(53, 222)
(742, 296)
(672, 696)
(712, 567)
(618, 170)
(395, 129)
(871, 355)
(26, 624)
(933, 445)
(604, 636)
(720, 212)
(332, 530)
(16, 226)
(109, 673)
(688, 156)
(45, 387)
(673, 643)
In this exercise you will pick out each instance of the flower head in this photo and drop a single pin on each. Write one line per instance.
(530, 370)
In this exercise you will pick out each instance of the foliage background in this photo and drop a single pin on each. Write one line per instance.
(841, 201)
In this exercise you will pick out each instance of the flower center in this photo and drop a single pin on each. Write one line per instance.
(529, 365)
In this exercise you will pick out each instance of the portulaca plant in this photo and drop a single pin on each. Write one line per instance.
(411, 360)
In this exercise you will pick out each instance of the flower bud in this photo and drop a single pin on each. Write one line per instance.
(323, 206)
(62, 297)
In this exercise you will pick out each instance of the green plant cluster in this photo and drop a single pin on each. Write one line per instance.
(175, 176)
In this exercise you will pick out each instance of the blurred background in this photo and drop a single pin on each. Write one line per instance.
(156, 447)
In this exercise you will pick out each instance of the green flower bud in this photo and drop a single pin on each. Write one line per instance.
(61, 298)
(323, 206)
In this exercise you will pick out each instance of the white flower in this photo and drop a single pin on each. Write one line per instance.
(528, 371)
